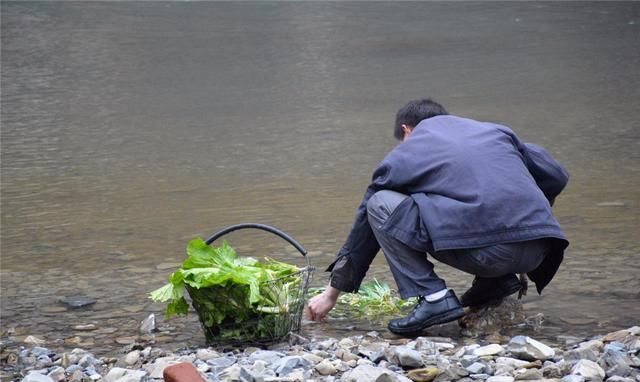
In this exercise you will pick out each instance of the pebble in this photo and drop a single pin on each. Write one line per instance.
(492, 349)
(527, 348)
(350, 359)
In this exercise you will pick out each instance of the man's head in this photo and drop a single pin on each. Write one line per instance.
(412, 113)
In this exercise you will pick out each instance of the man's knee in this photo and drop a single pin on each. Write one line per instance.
(383, 203)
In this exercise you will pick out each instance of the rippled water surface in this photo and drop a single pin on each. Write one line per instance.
(129, 128)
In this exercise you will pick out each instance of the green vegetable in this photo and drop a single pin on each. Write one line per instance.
(227, 290)
(373, 298)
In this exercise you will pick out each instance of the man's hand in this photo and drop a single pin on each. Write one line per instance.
(321, 304)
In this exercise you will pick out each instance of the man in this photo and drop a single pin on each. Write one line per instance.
(469, 194)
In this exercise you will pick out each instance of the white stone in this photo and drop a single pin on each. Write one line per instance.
(590, 370)
(326, 368)
(370, 374)
(527, 348)
(500, 378)
(405, 356)
(156, 369)
(132, 357)
(36, 377)
(206, 354)
(510, 362)
(118, 374)
(492, 349)
(32, 340)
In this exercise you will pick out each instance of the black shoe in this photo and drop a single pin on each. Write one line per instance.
(484, 290)
(426, 314)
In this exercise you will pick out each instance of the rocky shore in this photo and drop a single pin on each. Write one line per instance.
(613, 357)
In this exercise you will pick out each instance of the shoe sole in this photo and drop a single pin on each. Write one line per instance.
(443, 318)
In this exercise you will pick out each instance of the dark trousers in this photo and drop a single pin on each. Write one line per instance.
(412, 270)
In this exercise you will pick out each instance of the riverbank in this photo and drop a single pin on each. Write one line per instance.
(613, 357)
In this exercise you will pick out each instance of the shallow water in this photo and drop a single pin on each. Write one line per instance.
(129, 128)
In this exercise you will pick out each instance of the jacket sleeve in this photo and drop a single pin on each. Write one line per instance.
(549, 175)
(361, 247)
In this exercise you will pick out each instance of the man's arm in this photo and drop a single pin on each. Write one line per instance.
(549, 175)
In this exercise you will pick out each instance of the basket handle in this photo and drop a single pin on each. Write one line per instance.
(263, 227)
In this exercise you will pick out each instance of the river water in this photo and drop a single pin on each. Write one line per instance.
(129, 128)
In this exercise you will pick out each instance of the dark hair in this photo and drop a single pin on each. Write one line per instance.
(415, 111)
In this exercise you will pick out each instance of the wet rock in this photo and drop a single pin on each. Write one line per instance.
(492, 318)
(590, 370)
(527, 348)
(87, 327)
(148, 325)
(76, 302)
(33, 340)
(369, 373)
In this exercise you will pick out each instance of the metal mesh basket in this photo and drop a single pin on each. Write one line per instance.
(258, 327)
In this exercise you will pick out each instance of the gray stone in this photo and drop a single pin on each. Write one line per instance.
(375, 351)
(57, 374)
(575, 355)
(590, 370)
(37, 377)
(43, 361)
(405, 356)
(528, 374)
(370, 374)
(88, 360)
(551, 371)
(247, 375)
(285, 365)
(476, 368)
(223, 362)
(527, 348)
(478, 376)
(268, 356)
(452, 373)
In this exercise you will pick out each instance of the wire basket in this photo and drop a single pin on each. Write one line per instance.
(257, 326)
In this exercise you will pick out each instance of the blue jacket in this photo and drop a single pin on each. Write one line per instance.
(475, 184)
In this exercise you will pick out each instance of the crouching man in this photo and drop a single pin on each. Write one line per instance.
(466, 193)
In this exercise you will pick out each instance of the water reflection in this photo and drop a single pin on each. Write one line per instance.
(130, 128)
